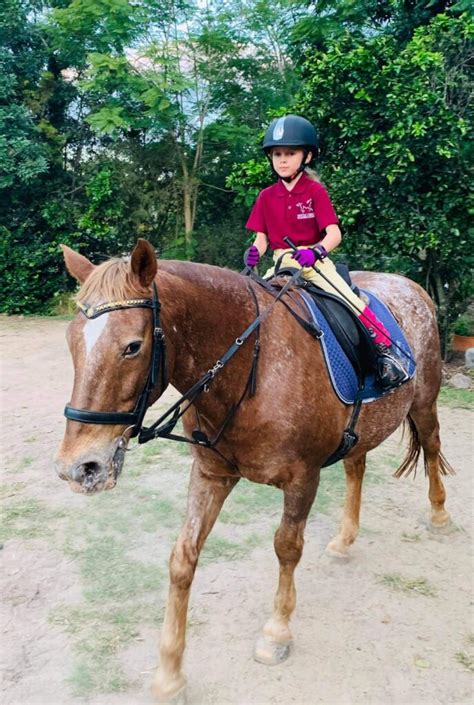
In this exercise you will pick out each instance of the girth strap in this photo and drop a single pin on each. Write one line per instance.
(349, 437)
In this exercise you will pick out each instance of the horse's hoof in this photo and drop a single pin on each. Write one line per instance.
(174, 694)
(444, 525)
(178, 699)
(334, 549)
(271, 653)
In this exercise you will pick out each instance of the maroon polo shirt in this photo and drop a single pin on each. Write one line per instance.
(301, 214)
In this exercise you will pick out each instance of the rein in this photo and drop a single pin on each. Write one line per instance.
(163, 429)
(164, 426)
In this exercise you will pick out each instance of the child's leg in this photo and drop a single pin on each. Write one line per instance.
(341, 289)
(390, 372)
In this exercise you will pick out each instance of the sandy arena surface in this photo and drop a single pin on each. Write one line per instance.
(361, 637)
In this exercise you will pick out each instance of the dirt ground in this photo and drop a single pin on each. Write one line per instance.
(84, 579)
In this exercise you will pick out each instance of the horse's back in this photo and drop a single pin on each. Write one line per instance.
(395, 290)
(416, 315)
(408, 301)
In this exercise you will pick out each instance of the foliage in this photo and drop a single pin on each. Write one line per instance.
(464, 325)
(330, 20)
(121, 119)
(397, 132)
(395, 120)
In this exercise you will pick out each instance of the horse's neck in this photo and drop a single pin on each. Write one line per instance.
(204, 310)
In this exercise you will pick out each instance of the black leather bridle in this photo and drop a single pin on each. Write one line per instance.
(133, 419)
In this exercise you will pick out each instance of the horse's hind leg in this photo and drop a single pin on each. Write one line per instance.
(206, 496)
(273, 646)
(425, 419)
(339, 546)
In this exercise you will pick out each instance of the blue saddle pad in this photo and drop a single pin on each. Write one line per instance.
(340, 369)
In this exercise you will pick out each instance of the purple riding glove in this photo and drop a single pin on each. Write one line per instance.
(308, 256)
(251, 256)
(305, 258)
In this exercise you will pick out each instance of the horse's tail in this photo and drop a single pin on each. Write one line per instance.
(410, 460)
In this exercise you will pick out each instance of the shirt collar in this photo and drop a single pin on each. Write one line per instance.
(300, 187)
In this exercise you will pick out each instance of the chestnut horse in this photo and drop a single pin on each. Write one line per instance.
(281, 435)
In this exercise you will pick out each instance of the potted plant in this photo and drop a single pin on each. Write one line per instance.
(463, 334)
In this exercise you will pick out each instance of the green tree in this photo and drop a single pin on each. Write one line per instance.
(193, 82)
(396, 122)
(396, 131)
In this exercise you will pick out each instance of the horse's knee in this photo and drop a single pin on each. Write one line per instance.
(182, 566)
(288, 545)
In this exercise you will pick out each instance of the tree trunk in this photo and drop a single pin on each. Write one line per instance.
(188, 215)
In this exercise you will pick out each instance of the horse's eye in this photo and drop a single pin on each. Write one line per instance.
(132, 348)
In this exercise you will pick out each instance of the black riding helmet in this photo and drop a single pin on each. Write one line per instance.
(291, 131)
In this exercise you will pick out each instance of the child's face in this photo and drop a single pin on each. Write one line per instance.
(286, 160)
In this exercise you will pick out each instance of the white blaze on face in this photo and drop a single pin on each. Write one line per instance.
(93, 330)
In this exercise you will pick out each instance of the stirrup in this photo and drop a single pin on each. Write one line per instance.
(390, 373)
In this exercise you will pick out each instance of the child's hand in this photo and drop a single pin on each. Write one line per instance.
(251, 256)
(305, 258)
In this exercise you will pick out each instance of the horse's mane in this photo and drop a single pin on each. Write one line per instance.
(113, 280)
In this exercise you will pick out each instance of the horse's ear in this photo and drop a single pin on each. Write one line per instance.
(143, 262)
(77, 265)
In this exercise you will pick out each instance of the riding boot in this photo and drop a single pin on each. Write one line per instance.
(390, 373)
(388, 369)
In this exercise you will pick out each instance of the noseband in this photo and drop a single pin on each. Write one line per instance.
(133, 418)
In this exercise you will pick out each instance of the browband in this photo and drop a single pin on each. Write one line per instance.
(94, 311)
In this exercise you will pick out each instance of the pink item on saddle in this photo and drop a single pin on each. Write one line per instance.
(372, 323)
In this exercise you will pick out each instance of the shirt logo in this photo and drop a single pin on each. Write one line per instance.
(306, 209)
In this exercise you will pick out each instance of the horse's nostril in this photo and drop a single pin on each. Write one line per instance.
(90, 469)
(85, 471)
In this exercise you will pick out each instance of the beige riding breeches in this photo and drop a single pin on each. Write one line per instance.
(327, 267)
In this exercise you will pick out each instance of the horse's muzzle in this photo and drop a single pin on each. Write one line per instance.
(92, 472)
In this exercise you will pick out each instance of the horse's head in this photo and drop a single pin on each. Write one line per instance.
(111, 347)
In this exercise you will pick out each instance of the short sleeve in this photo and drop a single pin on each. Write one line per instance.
(256, 221)
(324, 210)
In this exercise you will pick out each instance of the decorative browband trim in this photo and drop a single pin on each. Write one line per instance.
(94, 311)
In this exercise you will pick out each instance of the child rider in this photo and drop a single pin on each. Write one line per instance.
(298, 206)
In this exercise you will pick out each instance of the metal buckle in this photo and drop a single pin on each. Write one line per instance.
(214, 370)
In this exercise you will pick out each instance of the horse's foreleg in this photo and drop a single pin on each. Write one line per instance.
(274, 645)
(339, 546)
(206, 496)
(427, 426)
